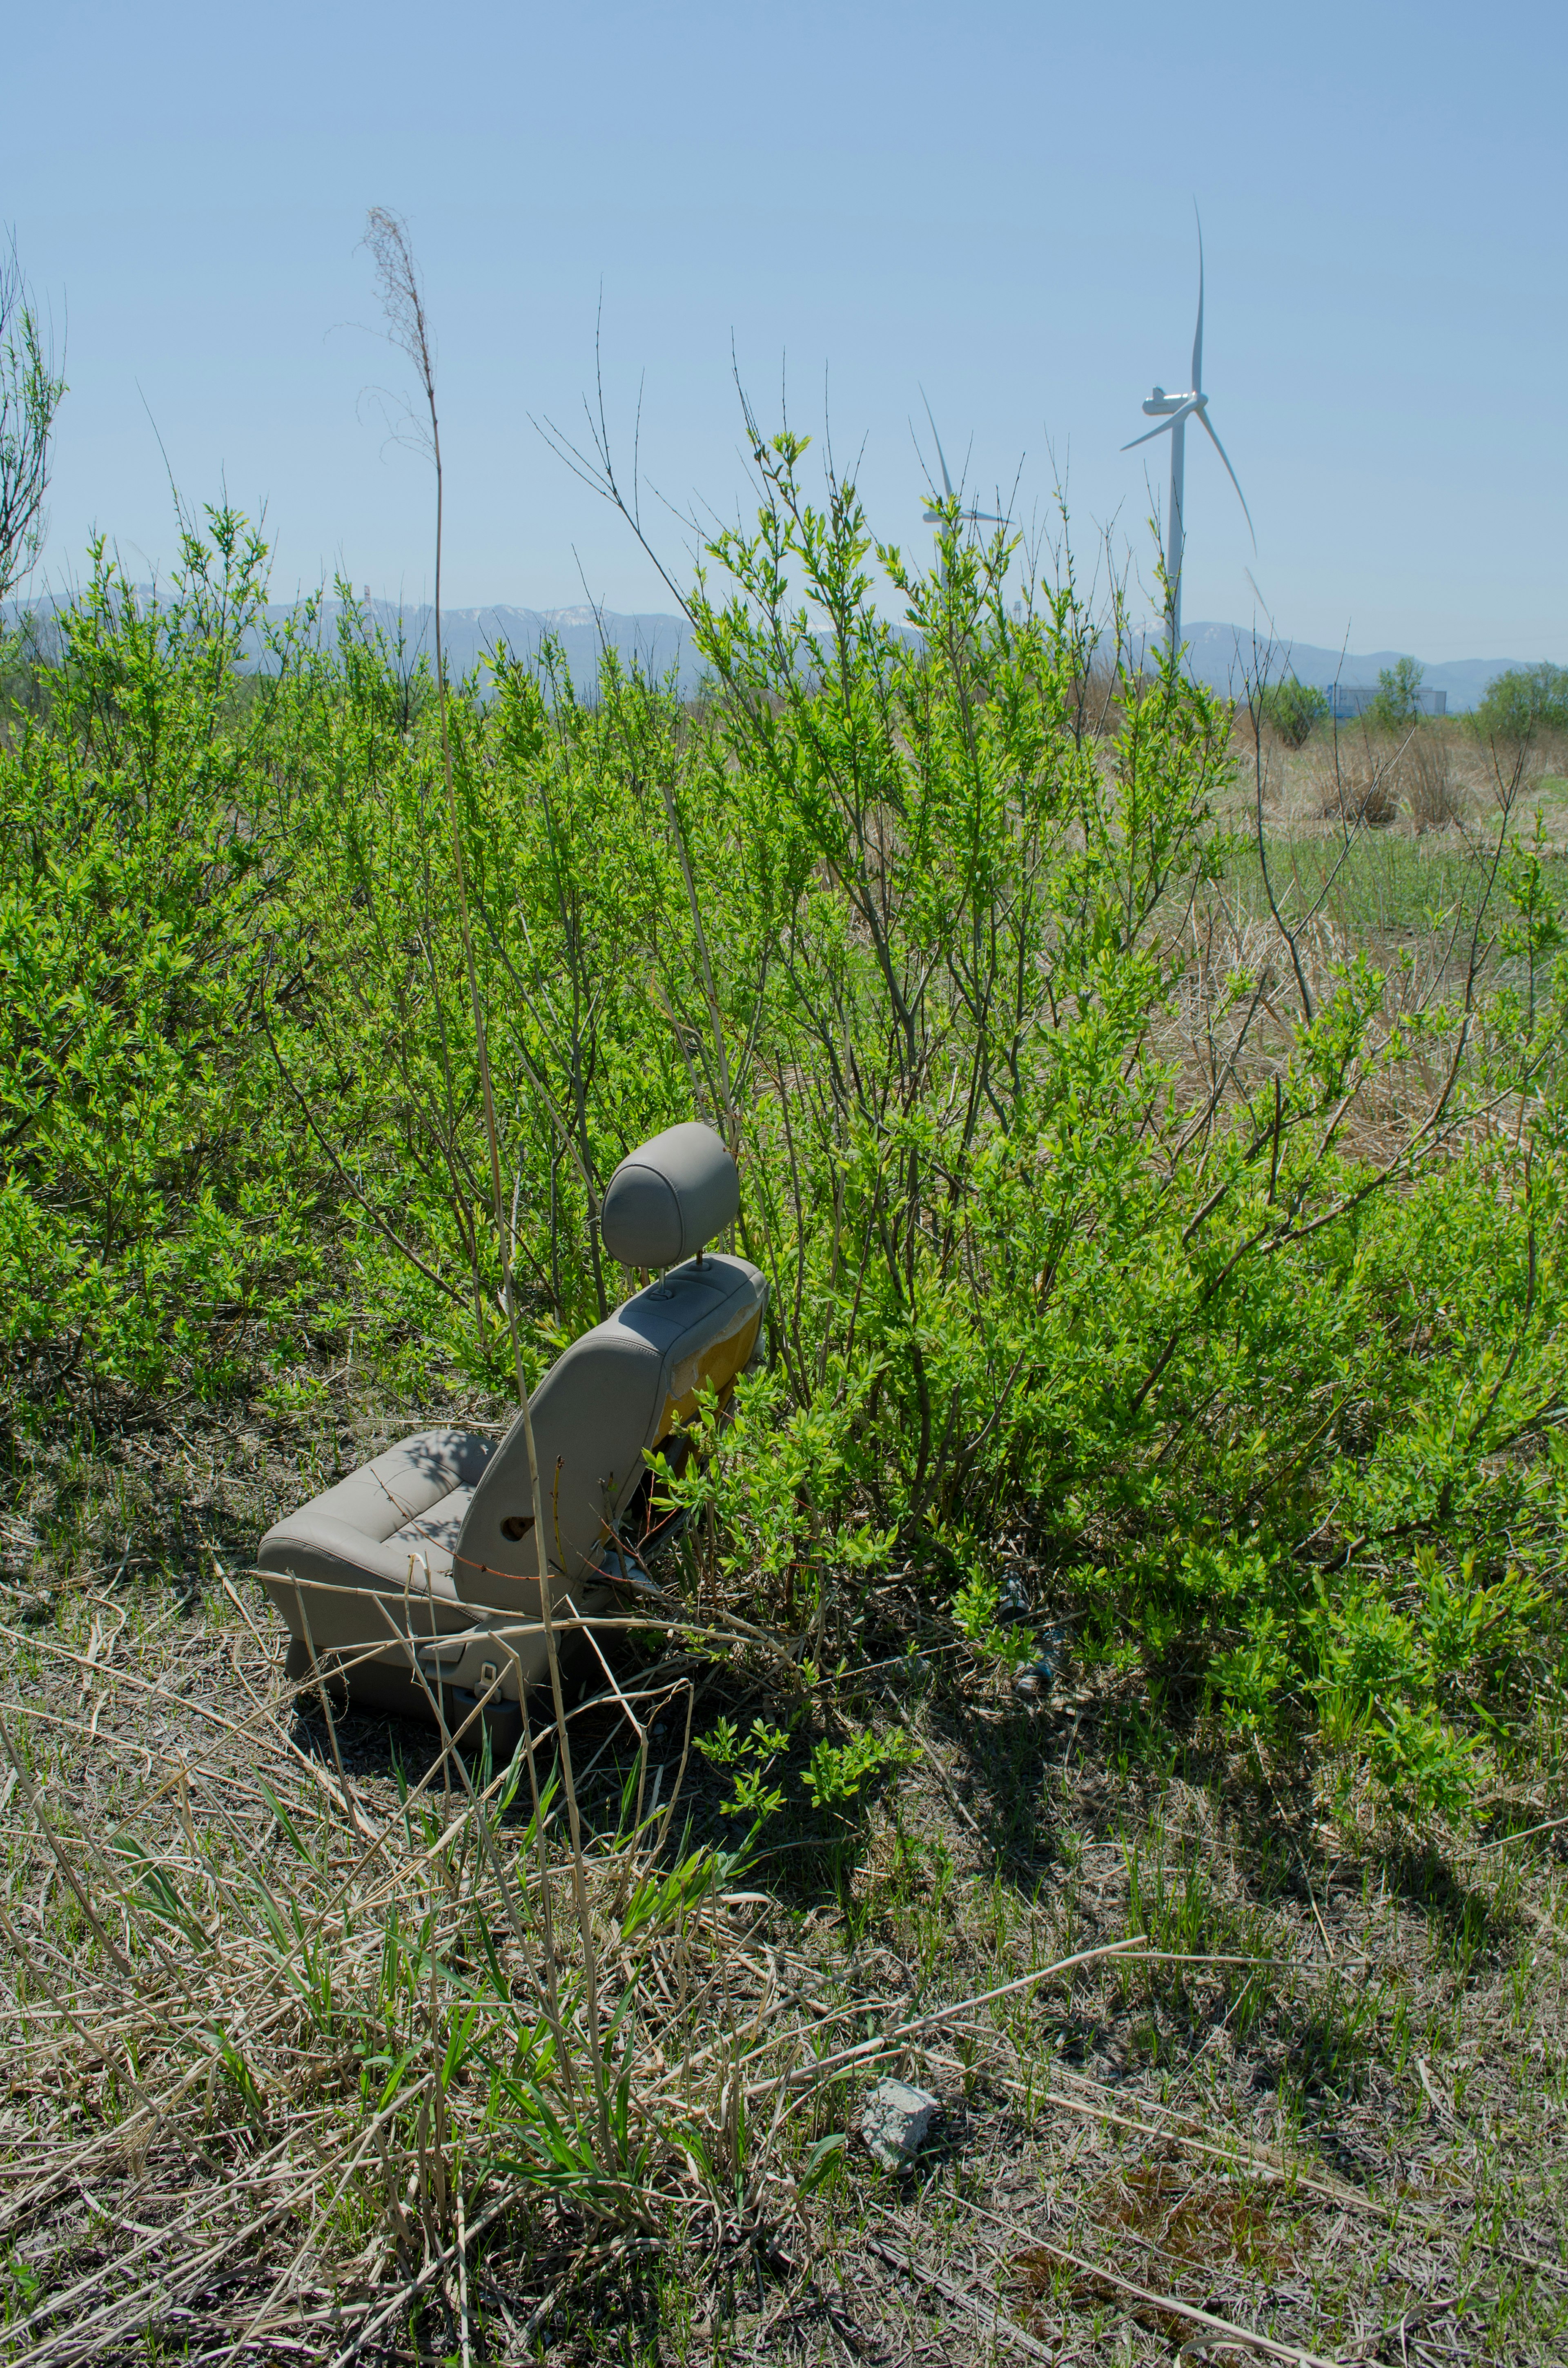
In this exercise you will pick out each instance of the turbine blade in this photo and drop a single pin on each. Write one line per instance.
(1174, 421)
(1197, 337)
(1231, 474)
(1274, 633)
(1163, 429)
(946, 480)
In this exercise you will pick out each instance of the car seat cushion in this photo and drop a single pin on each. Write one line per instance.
(391, 1526)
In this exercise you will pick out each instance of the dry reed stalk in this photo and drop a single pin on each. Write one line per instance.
(403, 298)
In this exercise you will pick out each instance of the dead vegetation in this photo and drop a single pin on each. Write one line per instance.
(304, 2059)
(1433, 776)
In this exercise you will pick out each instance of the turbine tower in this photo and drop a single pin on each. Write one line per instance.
(1172, 411)
(934, 517)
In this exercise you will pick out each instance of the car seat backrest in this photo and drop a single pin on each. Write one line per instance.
(607, 1402)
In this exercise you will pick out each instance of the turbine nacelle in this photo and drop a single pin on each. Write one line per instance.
(1161, 405)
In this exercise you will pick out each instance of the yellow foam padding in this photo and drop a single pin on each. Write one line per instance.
(713, 1368)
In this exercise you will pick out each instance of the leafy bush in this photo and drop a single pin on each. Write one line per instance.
(1231, 1338)
(143, 1209)
(31, 390)
(1291, 709)
(1398, 703)
(1522, 703)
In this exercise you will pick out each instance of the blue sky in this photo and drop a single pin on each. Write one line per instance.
(994, 202)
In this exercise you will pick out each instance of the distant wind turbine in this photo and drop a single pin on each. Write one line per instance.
(934, 517)
(1172, 411)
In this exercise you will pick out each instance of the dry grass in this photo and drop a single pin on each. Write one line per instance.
(1375, 779)
(279, 2029)
(1409, 909)
(1435, 776)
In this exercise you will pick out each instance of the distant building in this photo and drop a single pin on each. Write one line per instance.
(1348, 700)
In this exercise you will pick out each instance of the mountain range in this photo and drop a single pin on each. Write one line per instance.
(1219, 654)
(656, 644)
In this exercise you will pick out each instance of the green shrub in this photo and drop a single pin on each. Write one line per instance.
(149, 1197)
(1291, 709)
(1523, 702)
(1229, 1359)
(1397, 706)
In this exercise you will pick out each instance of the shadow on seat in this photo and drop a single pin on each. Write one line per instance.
(414, 1582)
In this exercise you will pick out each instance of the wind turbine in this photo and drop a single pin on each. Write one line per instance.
(934, 517)
(1172, 411)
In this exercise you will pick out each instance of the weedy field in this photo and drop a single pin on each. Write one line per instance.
(1112, 1674)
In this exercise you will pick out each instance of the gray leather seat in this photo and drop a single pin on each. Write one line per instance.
(430, 1551)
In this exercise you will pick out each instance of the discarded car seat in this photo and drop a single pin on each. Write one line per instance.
(427, 1553)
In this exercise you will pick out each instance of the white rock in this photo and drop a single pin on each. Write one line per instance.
(895, 2120)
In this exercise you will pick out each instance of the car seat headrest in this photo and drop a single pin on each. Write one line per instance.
(668, 1197)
